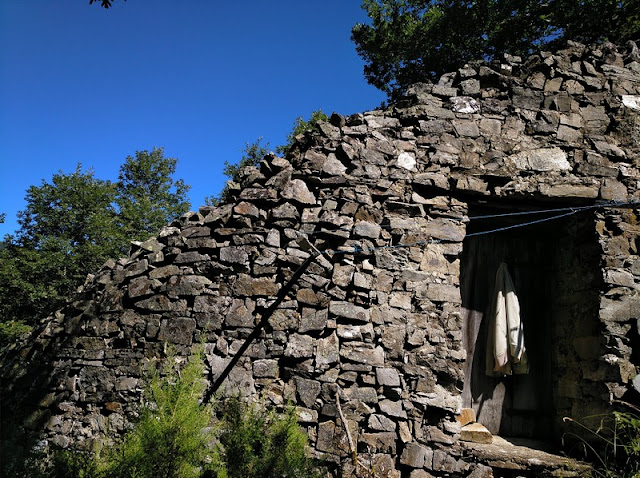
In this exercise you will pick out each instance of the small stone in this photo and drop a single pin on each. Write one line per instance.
(388, 377)
(406, 161)
(297, 190)
(177, 331)
(466, 416)
(265, 368)
(476, 433)
(299, 346)
(542, 159)
(417, 456)
(348, 311)
(367, 229)
(233, 255)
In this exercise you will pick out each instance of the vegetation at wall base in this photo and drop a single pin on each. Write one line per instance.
(257, 443)
(614, 444)
(177, 436)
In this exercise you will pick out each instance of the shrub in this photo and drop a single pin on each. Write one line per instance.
(257, 443)
(174, 439)
(171, 439)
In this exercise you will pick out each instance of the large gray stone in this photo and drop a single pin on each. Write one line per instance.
(541, 159)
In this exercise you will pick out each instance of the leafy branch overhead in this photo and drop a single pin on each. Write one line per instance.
(103, 3)
(409, 41)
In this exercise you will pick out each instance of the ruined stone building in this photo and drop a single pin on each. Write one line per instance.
(533, 163)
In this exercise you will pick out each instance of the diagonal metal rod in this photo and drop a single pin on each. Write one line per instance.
(263, 322)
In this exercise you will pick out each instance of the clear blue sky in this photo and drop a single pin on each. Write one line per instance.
(200, 78)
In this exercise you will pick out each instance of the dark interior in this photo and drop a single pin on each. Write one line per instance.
(551, 264)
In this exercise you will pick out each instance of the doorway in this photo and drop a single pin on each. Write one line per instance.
(554, 267)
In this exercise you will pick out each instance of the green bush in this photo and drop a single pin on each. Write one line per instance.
(172, 437)
(257, 443)
(11, 331)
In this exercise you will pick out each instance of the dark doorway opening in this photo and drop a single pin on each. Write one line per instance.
(554, 267)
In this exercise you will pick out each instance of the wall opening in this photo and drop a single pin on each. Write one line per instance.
(555, 267)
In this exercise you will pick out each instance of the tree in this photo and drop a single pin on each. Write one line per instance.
(417, 40)
(301, 126)
(254, 153)
(73, 224)
(66, 231)
(146, 195)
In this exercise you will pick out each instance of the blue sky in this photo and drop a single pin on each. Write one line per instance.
(200, 78)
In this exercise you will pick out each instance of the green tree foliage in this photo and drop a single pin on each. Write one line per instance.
(416, 40)
(301, 126)
(252, 155)
(66, 231)
(611, 441)
(174, 437)
(73, 224)
(147, 197)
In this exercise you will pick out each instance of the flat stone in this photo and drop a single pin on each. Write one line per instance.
(466, 416)
(299, 346)
(388, 377)
(466, 104)
(246, 209)
(348, 311)
(265, 368)
(631, 101)
(570, 190)
(191, 257)
(542, 159)
(327, 351)
(466, 128)
(165, 271)
(383, 442)
(234, 255)
(161, 303)
(308, 391)
(415, 455)
(246, 285)
(362, 353)
(333, 167)
(392, 408)
(178, 331)
(367, 229)
(240, 314)
(476, 433)
(381, 423)
(140, 286)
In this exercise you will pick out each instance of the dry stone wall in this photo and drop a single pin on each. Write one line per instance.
(372, 329)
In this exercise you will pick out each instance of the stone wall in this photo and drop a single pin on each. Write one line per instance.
(374, 326)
